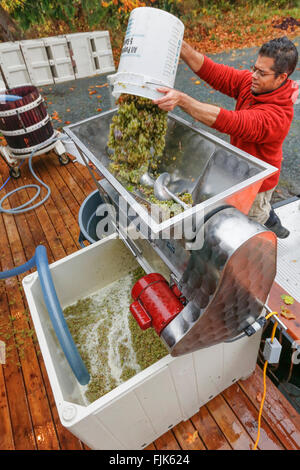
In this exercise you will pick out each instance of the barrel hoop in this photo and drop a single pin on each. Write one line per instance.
(22, 109)
(33, 148)
(27, 130)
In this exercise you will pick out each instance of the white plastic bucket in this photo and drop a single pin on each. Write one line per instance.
(150, 53)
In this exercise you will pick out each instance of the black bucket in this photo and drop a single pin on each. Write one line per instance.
(87, 218)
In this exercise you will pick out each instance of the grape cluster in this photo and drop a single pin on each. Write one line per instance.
(137, 136)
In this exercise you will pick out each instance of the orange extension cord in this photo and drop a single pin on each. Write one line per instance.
(264, 379)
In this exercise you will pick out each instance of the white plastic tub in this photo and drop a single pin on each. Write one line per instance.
(144, 407)
(150, 53)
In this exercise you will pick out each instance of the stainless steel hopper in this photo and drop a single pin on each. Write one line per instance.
(225, 264)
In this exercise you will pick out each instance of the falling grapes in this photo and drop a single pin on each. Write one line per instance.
(137, 136)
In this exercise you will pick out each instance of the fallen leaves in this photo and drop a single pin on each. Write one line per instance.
(3, 140)
(192, 437)
(288, 299)
(56, 117)
(286, 313)
(237, 31)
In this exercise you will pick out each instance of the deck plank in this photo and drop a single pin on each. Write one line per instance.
(68, 227)
(277, 411)
(150, 447)
(21, 423)
(66, 439)
(167, 442)
(209, 431)
(187, 436)
(44, 430)
(6, 433)
(229, 424)
(38, 235)
(248, 415)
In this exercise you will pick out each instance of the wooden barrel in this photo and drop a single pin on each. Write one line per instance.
(25, 123)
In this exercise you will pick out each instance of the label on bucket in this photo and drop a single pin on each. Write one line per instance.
(133, 39)
(133, 45)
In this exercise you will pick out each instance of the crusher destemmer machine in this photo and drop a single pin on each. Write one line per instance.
(204, 292)
(218, 289)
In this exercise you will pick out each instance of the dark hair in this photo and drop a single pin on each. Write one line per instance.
(284, 53)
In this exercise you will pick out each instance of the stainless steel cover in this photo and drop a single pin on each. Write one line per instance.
(226, 282)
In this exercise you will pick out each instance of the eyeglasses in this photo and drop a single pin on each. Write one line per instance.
(260, 73)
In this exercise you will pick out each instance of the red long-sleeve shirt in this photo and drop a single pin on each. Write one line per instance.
(260, 123)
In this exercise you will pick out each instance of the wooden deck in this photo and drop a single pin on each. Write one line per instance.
(28, 416)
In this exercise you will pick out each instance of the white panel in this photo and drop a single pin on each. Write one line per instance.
(209, 371)
(59, 59)
(240, 358)
(102, 52)
(184, 378)
(91, 432)
(81, 54)
(127, 422)
(35, 55)
(13, 65)
(157, 396)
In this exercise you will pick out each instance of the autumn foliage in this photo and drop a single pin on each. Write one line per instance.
(210, 25)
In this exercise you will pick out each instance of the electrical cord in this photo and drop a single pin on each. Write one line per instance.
(264, 382)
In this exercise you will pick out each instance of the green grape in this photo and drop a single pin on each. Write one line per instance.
(138, 127)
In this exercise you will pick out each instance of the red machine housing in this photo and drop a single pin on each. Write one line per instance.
(155, 302)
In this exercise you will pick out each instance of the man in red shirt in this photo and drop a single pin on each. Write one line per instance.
(262, 116)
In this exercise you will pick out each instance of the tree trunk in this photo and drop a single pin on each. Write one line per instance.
(9, 30)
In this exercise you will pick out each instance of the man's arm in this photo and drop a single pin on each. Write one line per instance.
(203, 112)
(221, 77)
(191, 57)
(266, 124)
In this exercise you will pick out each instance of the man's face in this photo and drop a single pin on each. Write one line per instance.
(263, 77)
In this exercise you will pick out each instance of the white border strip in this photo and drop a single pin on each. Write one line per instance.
(27, 130)
(22, 109)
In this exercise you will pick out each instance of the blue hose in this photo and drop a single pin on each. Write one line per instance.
(59, 324)
(10, 97)
(24, 207)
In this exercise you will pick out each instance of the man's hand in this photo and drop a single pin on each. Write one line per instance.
(171, 99)
(203, 112)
